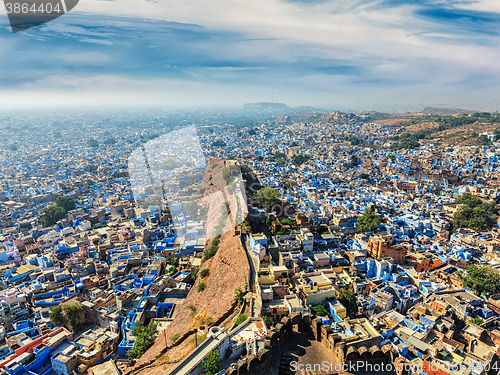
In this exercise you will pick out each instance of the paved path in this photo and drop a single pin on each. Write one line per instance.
(253, 262)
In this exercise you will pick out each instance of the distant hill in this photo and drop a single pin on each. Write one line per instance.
(444, 111)
(334, 117)
(265, 105)
(309, 109)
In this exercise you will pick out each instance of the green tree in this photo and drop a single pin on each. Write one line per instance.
(92, 143)
(369, 221)
(56, 316)
(201, 287)
(245, 168)
(354, 140)
(155, 200)
(73, 313)
(204, 273)
(475, 214)
(266, 198)
(238, 295)
(90, 168)
(481, 280)
(354, 161)
(66, 202)
(219, 143)
(212, 250)
(318, 310)
(477, 220)
(461, 216)
(477, 321)
(212, 362)
(268, 321)
(496, 132)
(145, 337)
(348, 299)
(300, 159)
(192, 310)
(49, 215)
(409, 143)
(364, 176)
(469, 199)
(109, 141)
(172, 270)
(240, 319)
(195, 273)
(172, 260)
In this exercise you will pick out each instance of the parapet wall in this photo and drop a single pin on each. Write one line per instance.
(368, 350)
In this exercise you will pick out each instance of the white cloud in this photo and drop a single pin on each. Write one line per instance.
(402, 56)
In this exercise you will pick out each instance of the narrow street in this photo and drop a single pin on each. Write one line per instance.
(252, 284)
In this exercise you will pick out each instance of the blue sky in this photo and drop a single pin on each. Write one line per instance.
(343, 54)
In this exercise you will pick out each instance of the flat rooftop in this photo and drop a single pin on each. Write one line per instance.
(255, 330)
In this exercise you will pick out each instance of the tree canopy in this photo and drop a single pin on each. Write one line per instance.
(355, 140)
(49, 215)
(73, 313)
(369, 221)
(409, 141)
(56, 316)
(212, 362)
(300, 159)
(475, 214)
(348, 299)
(477, 321)
(219, 143)
(481, 280)
(266, 198)
(67, 315)
(318, 310)
(92, 143)
(110, 141)
(469, 199)
(364, 176)
(155, 200)
(66, 202)
(145, 337)
(240, 319)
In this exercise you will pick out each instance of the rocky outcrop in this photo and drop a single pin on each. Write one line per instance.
(228, 270)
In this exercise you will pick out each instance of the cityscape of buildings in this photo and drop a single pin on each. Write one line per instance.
(331, 230)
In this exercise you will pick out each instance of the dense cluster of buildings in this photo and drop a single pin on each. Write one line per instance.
(408, 277)
(127, 254)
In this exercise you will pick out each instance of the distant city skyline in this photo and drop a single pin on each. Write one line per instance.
(386, 55)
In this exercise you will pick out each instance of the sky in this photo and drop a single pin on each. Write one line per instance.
(386, 55)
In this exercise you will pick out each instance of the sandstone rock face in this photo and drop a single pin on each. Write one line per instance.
(228, 270)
